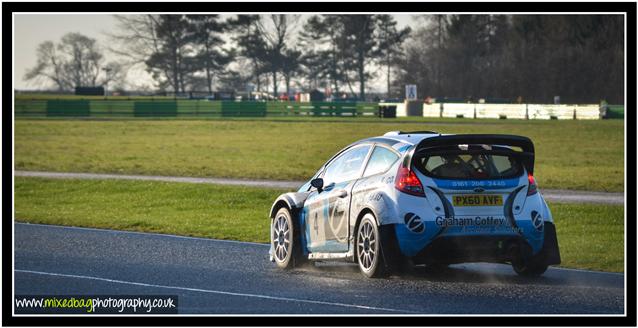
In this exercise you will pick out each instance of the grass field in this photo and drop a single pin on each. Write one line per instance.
(589, 236)
(585, 155)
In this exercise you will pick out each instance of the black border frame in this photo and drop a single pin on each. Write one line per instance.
(630, 189)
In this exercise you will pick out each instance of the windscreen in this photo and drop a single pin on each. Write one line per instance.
(461, 165)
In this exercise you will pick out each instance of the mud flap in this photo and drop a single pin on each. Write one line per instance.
(392, 257)
(550, 245)
(549, 254)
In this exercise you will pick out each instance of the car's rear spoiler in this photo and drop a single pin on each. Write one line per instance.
(526, 145)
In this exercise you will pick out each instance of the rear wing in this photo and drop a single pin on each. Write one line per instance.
(525, 144)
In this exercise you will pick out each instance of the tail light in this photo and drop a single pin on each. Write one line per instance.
(408, 182)
(531, 190)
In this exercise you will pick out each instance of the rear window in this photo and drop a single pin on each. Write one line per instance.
(469, 166)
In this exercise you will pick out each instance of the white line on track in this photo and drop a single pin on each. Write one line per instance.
(210, 291)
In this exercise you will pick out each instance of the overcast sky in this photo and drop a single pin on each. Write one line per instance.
(32, 29)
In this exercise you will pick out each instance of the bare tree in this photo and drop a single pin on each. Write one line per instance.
(75, 61)
(136, 37)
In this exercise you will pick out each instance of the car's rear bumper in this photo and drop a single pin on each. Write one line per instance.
(456, 249)
(442, 248)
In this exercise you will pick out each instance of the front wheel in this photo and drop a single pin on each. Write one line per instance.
(285, 243)
(369, 257)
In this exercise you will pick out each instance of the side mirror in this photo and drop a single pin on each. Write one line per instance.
(317, 183)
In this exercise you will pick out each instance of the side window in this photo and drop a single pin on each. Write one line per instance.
(347, 166)
(381, 160)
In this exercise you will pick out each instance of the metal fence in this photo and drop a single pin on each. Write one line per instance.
(151, 108)
(186, 108)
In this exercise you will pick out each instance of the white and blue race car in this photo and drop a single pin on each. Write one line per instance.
(419, 198)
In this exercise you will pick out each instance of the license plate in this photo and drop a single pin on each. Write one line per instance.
(477, 200)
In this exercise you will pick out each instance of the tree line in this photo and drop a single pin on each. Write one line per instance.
(531, 57)
(536, 57)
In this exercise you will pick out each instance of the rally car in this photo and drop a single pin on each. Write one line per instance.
(419, 198)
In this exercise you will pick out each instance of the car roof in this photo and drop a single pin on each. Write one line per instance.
(400, 138)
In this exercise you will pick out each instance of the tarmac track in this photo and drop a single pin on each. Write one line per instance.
(552, 195)
(229, 277)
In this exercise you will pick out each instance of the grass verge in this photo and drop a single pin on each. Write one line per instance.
(213, 211)
(589, 236)
(585, 155)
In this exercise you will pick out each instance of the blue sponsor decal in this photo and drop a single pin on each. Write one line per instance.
(471, 184)
(401, 149)
(534, 237)
(302, 224)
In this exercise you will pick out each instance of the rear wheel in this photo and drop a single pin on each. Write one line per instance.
(530, 268)
(285, 241)
(368, 254)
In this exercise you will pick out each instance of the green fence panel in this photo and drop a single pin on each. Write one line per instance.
(275, 108)
(198, 108)
(155, 109)
(323, 109)
(186, 108)
(34, 107)
(112, 108)
(68, 108)
(334, 109)
(304, 109)
(243, 109)
(616, 111)
(367, 108)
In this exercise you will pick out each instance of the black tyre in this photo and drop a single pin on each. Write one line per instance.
(376, 250)
(530, 268)
(285, 240)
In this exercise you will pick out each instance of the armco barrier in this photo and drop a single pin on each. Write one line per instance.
(509, 111)
(512, 111)
(187, 108)
(588, 112)
(432, 110)
(547, 112)
(458, 110)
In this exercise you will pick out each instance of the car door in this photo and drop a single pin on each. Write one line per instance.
(374, 179)
(326, 213)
